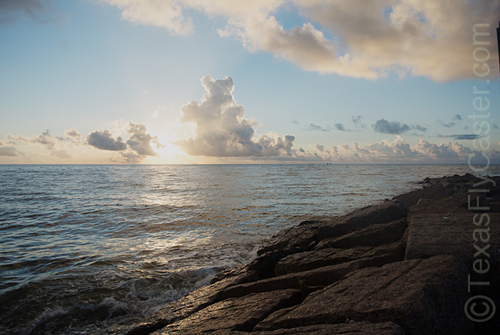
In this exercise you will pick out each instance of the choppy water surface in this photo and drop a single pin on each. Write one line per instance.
(88, 246)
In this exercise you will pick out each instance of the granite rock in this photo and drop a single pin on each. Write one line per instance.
(313, 259)
(372, 235)
(234, 314)
(422, 296)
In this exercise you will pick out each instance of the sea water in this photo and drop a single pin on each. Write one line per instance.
(84, 247)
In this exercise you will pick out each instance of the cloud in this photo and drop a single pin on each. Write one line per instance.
(420, 128)
(73, 134)
(385, 127)
(371, 39)
(165, 14)
(450, 124)
(463, 136)
(494, 126)
(9, 151)
(446, 125)
(140, 141)
(103, 140)
(221, 129)
(357, 121)
(55, 145)
(50, 142)
(340, 126)
(441, 151)
(314, 127)
(40, 11)
(399, 151)
(319, 147)
(61, 153)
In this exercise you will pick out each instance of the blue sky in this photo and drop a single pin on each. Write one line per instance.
(285, 81)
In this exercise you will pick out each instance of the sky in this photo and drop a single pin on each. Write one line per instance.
(243, 82)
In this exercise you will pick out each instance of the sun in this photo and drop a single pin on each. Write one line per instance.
(169, 150)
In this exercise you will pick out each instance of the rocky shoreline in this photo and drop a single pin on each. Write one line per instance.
(415, 264)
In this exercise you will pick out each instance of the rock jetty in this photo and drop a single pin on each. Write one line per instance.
(425, 262)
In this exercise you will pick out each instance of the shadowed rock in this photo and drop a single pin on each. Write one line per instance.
(318, 277)
(182, 308)
(373, 235)
(445, 227)
(357, 328)
(435, 191)
(234, 314)
(385, 212)
(422, 296)
(293, 239)
(309, 260)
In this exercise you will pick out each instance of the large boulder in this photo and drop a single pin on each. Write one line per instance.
(446, 227)
(319, 277)
(433, 192)
(234, 314)
(313, 259)
(180, 309)
(372, 235)
(293, 239)
(422, 296)
(384, 212)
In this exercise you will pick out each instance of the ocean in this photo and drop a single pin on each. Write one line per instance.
(84, 247)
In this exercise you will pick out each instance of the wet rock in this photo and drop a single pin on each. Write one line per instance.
(373, 235)
(422, 296)
(260, 268)
(182, 308)
(293, 239)
(234, 314)
(309, 260)
(384, 212)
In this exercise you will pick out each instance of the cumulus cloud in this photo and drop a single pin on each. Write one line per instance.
(73, 134)
(104, 140)
(221, 129)
(40, 11)
(457, 117)
(55, 144)
(371, 38)
(398, 150)
(50, 142)
(140, 141)
(319, 147)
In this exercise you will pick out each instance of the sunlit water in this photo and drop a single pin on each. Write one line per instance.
(91, 246)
